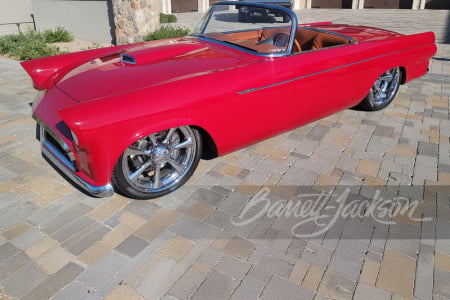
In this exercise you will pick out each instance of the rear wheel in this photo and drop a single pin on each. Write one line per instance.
(158, 164)
(383, 91)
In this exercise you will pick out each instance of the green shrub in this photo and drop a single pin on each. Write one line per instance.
(58, 35)
(166, 32)
(167, 18)
(26, 46)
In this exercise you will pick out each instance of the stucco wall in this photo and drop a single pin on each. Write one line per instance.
(13, 11)
(89, 20)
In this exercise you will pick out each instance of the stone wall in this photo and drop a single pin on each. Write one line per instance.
(134, 19)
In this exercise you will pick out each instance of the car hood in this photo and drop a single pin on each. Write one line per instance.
(149, 64)
(359, 33)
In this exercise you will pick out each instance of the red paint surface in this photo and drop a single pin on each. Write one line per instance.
(189, 81)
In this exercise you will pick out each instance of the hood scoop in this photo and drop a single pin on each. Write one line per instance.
(150, 54)
(128, 59)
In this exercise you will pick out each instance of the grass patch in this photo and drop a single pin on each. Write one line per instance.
(33, 44)
(167, 18)
(166, 32)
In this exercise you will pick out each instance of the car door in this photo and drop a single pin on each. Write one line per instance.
(328, 80)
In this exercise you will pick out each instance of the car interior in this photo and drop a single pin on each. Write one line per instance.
(273, 40)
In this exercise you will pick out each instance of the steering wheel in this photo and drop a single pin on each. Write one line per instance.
(281, 40)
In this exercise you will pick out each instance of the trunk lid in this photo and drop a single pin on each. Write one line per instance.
(359, 33)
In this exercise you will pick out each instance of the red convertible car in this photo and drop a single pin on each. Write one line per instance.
(137, 118)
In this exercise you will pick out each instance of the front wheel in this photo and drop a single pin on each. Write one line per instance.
(383, 91)
(158, 164)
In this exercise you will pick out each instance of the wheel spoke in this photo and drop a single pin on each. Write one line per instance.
(169, 135)
(133, 151)
(157, 177)
(133, 176)
(379, 92)
(186, 144)
(152, 138)
(387, 77)
(176, 165)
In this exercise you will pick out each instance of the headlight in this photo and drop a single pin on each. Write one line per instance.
(74, 137)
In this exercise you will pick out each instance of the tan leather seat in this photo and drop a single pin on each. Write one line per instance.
(313, 40)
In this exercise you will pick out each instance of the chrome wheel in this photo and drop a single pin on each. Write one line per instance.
(158, 164)
(383, 90)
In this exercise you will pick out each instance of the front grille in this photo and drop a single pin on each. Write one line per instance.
(58, 147)
(48, 137)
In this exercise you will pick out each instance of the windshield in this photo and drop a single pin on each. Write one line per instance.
(263, 29)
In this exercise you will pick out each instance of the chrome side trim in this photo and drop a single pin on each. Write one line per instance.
(251, 90)
(52, 154)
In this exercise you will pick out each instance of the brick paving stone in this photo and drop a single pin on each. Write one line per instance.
(211, 256)
(336, 287)
(157, 224)
(176, 248)
(299, 272)
(217, 284)
(185, 287)
(366, 291)
(6, 251)
(89, 239)
(397, 274)
(75, 290)
(281, 288)
(101, 272)
(94, 253)
(313, 277)
(65, 217)
(239, 248)
(23, 280)
(189, 228)
(250, 288)
(123, 292)
(132, 246)
(233, 267)
(143, 209)
(199, 211)
(16, 231)
(13, 263)
(346, 266)
(441, 286)
(208, 197)
(154, 283)
(423, 287)
(369, 272)
(47, 288)
(70, 229)
(316, 254)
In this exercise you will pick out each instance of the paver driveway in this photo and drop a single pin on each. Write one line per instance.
(215, 237)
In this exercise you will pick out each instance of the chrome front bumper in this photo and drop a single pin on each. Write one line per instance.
(64, 162)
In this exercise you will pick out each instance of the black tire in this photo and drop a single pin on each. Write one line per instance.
(158, 164)
(383, 91)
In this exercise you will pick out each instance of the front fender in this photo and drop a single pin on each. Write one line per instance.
(104, 131)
